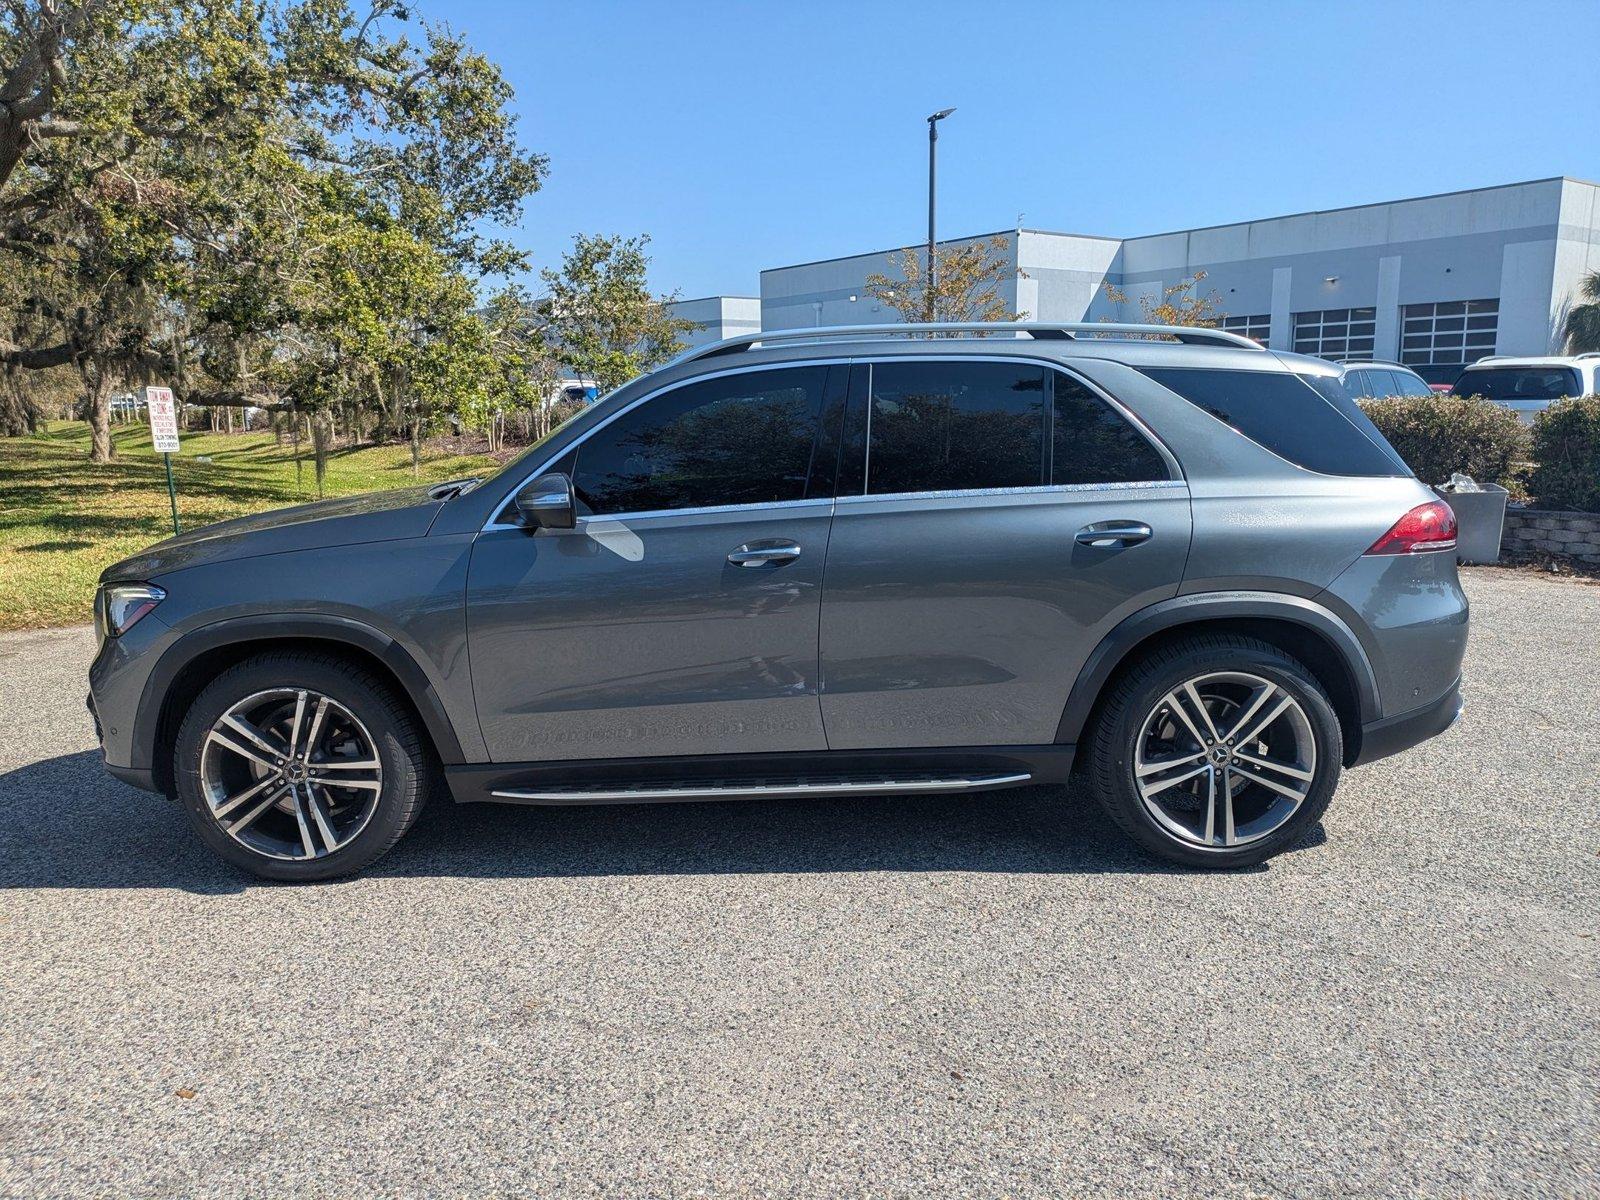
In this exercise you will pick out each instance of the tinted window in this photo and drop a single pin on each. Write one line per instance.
(1518, 383)
(1309, 420)
(1358, 383)
(942, 426)
(738, 439)
(1407, 384)
(1093, 443)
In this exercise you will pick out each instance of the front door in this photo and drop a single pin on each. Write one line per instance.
(680, 616)
(1004, 518)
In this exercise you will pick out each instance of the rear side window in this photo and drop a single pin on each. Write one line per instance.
(1093, 443)
(945, 426)
(736, 439)
(1518, 383)
(1407, 384)
(1309, 420)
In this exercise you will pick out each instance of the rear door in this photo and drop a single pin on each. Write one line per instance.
(680, 616)
(996, 517)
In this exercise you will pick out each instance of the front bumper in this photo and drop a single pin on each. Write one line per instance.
(139, 777)
(1379, 739)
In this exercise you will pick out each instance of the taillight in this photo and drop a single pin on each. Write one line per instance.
(1430, 526)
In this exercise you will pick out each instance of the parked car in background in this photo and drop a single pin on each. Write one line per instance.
(1529, 385)
(1382, 379)
(821, 563)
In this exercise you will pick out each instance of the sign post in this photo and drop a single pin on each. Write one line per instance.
(163, 416)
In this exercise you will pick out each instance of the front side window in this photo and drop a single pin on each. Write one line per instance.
(1518, 383)
(746, 438)
(945, 426)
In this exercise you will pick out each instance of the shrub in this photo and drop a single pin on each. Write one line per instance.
(1439, 435)
(1566, 455)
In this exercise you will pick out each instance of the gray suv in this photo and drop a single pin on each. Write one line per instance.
(823, 562)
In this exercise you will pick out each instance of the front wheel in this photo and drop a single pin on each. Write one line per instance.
(1218, 751)
(300, 766)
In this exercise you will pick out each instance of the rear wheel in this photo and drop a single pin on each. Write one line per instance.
(300, 766)
(1217, 751)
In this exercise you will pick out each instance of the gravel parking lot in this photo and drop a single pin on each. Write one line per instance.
(983, 996)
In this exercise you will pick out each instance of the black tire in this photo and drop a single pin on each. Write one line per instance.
(407, 763)
(1138, 693)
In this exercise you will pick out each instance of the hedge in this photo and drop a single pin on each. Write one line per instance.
(1566, 455)
(1440, 435)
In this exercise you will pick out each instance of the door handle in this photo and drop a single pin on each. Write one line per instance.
(764, 554)
(1102, 534)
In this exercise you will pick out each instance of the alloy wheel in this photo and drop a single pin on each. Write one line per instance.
(1224, 759)
(290, 773)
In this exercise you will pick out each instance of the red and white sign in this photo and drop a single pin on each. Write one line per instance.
(163, 419)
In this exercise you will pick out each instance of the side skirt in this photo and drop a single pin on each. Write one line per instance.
(919, 771)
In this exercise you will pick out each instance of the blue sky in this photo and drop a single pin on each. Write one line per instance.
(743, 136)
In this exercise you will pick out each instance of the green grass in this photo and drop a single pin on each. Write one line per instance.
(63, 519)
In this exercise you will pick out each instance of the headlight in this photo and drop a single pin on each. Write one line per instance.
(121, 606)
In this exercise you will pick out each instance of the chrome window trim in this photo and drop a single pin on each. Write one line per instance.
(494, 524)
(1044, 489)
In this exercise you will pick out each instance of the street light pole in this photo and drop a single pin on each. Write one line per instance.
(933, 182)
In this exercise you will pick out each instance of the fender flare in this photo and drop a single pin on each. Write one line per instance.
(314, 627)
(1211, 606)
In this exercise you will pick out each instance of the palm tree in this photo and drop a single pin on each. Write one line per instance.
(1583, 321)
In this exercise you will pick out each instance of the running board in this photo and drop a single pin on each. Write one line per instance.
(713, 789)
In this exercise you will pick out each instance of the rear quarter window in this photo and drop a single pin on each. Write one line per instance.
(1309, 420)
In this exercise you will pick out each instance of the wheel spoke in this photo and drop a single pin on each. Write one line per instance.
(300, 820)
(1261, 724)
(253, 735)
(1270, 784)
(322, 819)
(1205, 713)
(1281, 768)
(232, 803)
(242, 751)
(1261, 695)
(1156, 765)
(294, 724)
(316, 727)
(249, 819)
(1172, 701)
(1211, 806)
(1229, 836)
(366, 785)
(1161, 785)
(346, 764)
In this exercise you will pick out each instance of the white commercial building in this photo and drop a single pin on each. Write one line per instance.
(1435, 282)
(717, 317)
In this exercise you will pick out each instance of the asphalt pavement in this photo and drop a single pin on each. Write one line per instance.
(982, 996)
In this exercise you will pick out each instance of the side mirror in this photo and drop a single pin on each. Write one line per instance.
(547, 503)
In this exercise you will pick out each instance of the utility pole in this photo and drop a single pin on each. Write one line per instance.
(933, 184)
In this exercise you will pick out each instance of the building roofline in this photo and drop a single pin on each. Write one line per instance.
(1317, 212)
(713, 296)
(1096, 237)
(971, 237)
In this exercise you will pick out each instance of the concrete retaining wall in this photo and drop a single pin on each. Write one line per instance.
(1533, 529)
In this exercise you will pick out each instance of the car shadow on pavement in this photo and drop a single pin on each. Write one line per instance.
(64, 823)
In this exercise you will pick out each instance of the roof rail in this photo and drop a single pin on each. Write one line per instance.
(1588, 354)
(1039, 330)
